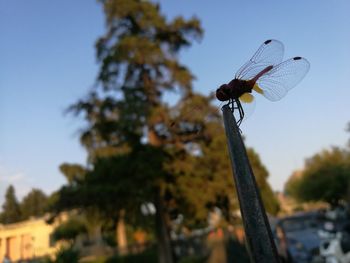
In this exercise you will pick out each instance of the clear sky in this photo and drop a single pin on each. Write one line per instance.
(47, 62)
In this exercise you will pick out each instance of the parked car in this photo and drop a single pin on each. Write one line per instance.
(297, 238)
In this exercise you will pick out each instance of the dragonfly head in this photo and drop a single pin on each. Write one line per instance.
(223, 93)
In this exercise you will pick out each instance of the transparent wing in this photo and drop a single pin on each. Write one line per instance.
(269, 53)
(281, 78)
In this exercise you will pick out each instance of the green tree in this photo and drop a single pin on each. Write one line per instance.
(33, 204)
(326, 177)
(11, 212)
(74, 173)
(139, 62)
(77, 195)
(69, 230)
(291, 186)
(209, 172)
(64, 255)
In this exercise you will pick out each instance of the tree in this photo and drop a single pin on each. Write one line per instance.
(33, 204)
(291, 186)
(326, 177)
(69, 230)
(11, 210)
(209, 172)
(74, 173)
(77, 195)
(138, 58)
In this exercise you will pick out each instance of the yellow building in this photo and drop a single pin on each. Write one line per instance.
(26, 240)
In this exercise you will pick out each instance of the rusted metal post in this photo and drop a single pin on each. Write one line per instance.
(256, 225)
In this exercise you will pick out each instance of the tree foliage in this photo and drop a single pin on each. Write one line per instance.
(69, 230)
(74, 173)
(206, 181)
(138, 59)
(11, 212)
(139, 62)
(326, 177)
(33, 204)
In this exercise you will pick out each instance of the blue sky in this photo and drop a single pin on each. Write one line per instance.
(47, 61)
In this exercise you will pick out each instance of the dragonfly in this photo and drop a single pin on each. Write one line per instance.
(266, 74)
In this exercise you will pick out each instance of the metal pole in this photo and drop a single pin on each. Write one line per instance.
(257, 228)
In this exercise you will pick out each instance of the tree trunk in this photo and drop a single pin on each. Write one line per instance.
(162, 231)
(97, 248)
(95, 234)
(121, 234)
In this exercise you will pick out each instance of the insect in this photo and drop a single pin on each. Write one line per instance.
(266, 74)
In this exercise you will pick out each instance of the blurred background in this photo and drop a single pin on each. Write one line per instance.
(112, 141)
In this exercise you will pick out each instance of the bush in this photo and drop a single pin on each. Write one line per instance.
(193, 259)
(148, 256)
(69, 230)
(67, 255)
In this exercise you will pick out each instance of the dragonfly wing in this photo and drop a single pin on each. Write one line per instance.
(281, 78)
(269, 53)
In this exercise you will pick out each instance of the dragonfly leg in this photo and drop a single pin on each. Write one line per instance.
(240, 111)
(232, 106)
(236, 105)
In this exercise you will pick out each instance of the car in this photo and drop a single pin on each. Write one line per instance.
(297, 238)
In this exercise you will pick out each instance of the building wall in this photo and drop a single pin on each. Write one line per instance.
(27, 239)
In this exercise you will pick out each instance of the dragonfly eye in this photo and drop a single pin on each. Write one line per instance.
(221, 93)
